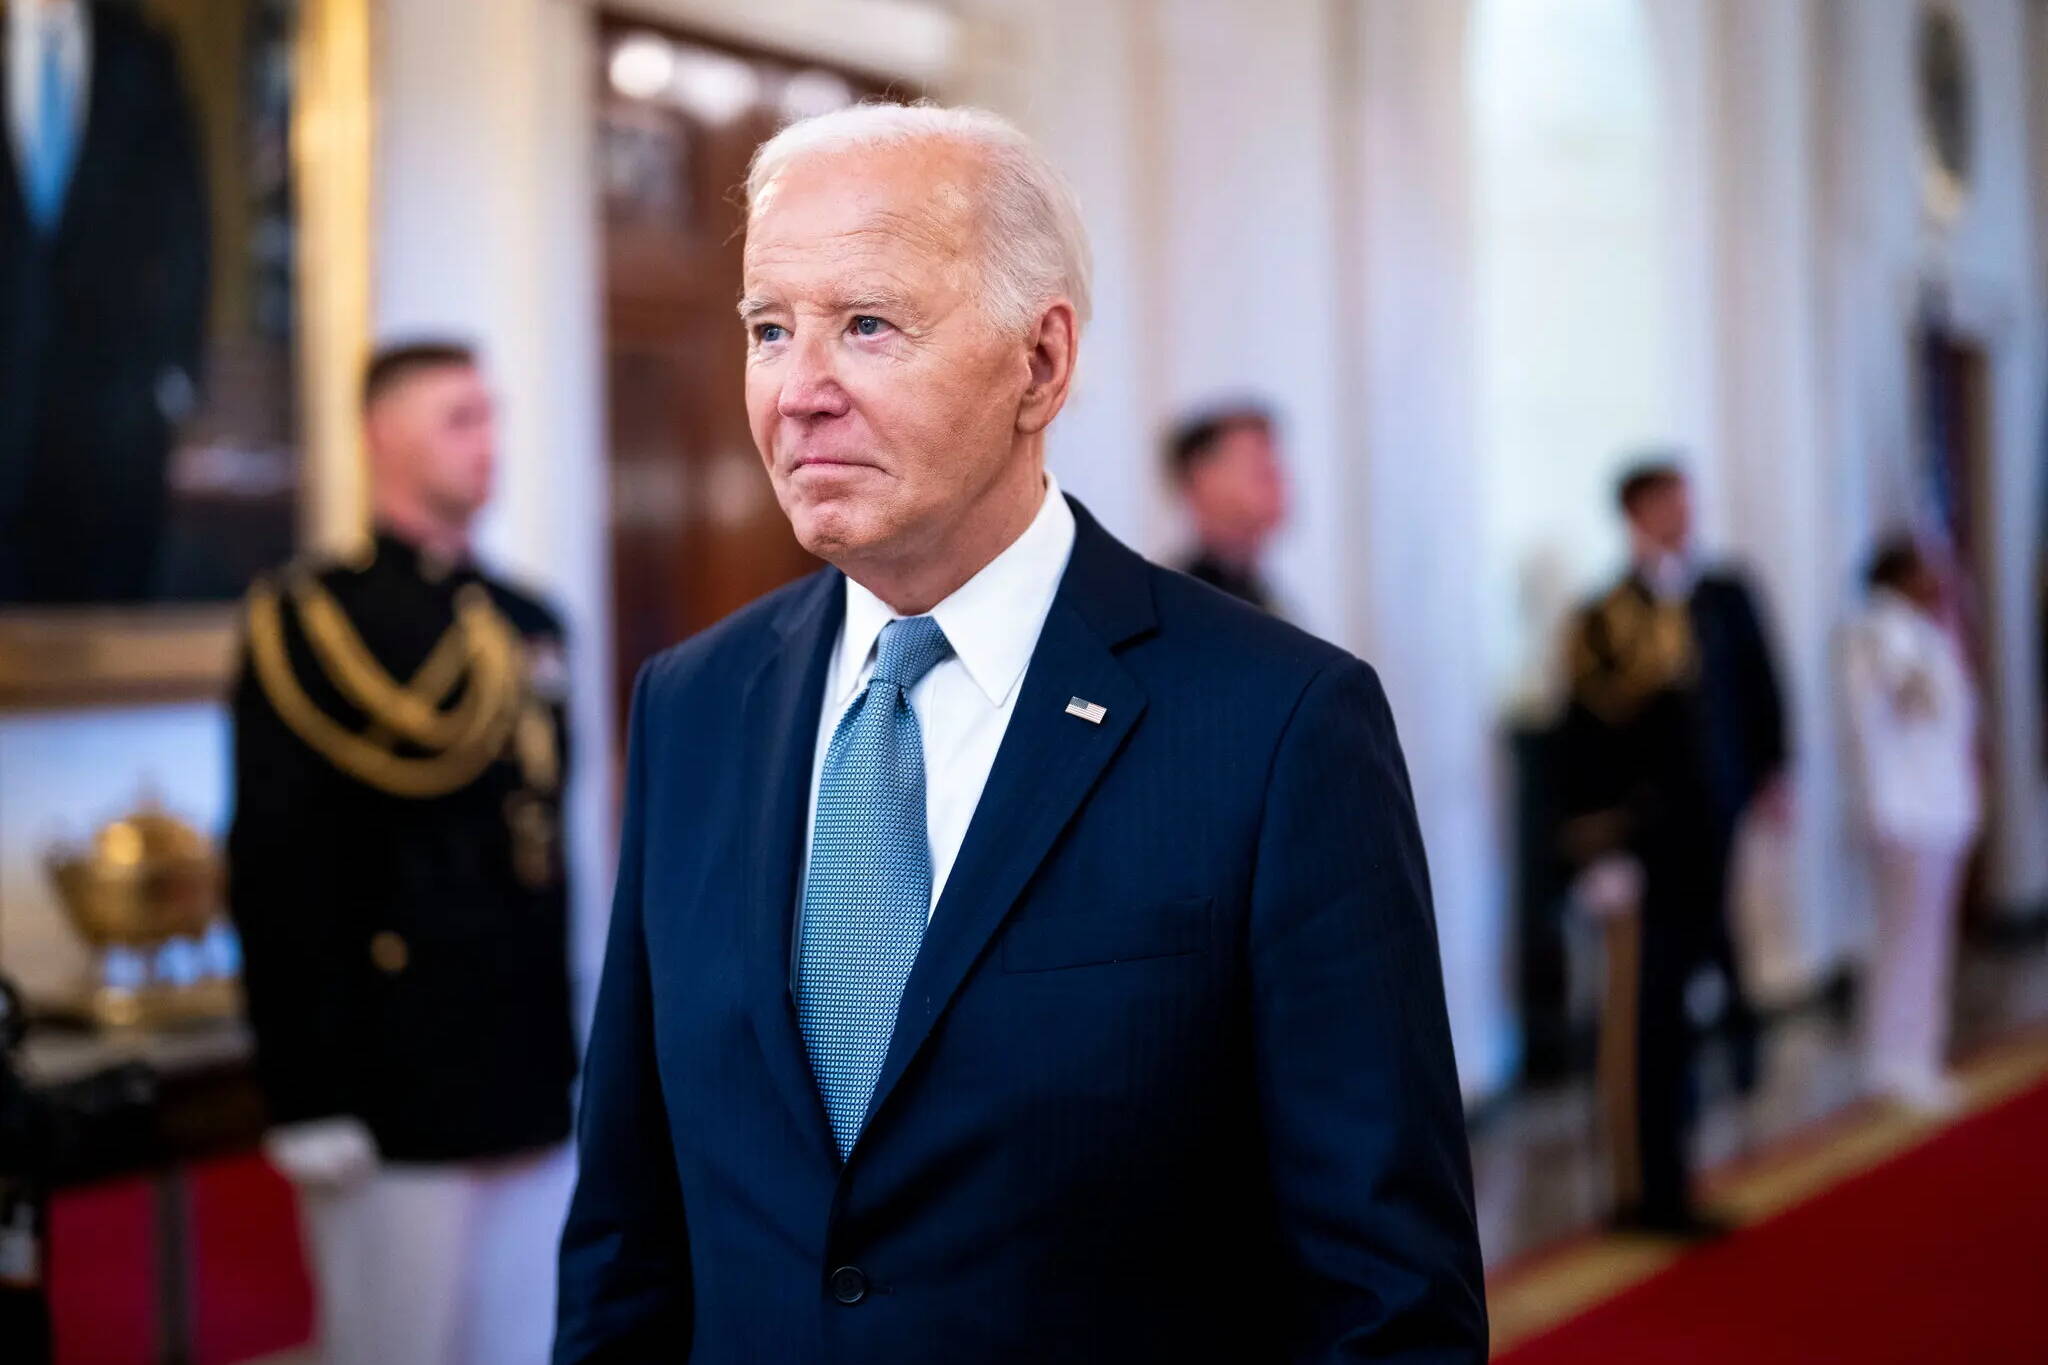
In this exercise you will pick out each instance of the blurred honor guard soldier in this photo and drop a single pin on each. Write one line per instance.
(397, 875)
(1912, 715)
(1673, 729)
(1226, 462)
(1021, 952)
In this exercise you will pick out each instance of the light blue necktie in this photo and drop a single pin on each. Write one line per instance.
(50, 161)
(868, 890)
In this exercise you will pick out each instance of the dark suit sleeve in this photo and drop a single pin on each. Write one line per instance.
(1359, 1094)
(286, 894)
(625, 1263)
(1763, 698)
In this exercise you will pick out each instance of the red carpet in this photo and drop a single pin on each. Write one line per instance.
(1939, 1255)
(252, 1294)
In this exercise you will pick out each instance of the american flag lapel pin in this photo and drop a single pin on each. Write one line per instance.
(1090, 711)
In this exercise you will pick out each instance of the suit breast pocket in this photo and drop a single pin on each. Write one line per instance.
(1172, 929)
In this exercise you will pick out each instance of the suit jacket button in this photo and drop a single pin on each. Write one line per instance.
(389, 953)
(849, 1286)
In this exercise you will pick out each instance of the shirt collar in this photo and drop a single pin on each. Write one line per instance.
(28, 26)
(992, 620)
(1669, 577)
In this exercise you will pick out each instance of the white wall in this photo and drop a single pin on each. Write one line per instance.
(1415, 491)
(1571, 335)
(1075, 74)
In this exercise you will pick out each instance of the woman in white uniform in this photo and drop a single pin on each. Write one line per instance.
(1912, 713)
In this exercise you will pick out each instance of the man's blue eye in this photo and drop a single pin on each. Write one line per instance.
(770, 331)
(868, 326)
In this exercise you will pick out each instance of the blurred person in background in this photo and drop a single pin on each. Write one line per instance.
(1021, 953)
(1226, 463)
(1912, 714)
(1673, 730)
(396, 872)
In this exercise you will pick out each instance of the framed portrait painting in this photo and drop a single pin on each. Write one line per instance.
(183, 292)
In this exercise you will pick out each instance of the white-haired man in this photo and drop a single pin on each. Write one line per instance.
(1021, 953)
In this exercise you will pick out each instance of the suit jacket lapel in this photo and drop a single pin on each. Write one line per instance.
(1048, 763)
(780, 731)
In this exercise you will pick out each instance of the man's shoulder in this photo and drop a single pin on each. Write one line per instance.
(1726, 581)
(730, 648)
(529, 612)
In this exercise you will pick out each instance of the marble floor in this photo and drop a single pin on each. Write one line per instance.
(1537, 1164)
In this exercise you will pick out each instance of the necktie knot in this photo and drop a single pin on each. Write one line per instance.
(909, 649)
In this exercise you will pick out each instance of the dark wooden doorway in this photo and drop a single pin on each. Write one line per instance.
(696, 532)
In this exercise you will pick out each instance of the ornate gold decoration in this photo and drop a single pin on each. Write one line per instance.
(145, 894)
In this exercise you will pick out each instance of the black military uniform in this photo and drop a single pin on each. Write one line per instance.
(395, 864)
(1675, 723)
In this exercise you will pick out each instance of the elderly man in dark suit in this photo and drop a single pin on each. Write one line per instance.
(103, 286)
(1021, 953)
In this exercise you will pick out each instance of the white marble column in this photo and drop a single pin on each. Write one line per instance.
(1413, 492)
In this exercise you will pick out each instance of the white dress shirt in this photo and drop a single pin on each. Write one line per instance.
(31, 24)
(1912, 715)
(963, 704)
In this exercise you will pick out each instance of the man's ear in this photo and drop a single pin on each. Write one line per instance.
(1051, 359)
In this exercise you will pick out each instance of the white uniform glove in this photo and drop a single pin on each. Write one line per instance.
(1612, 887)
(323, 1154)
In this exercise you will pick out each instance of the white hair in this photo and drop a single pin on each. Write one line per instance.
(1034, 250)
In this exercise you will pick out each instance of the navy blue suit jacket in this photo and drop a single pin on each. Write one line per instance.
(1171, 1079)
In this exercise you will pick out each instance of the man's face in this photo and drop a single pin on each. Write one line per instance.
(1237, 490)
(883, 402)
(437, 433)
(1663, 516)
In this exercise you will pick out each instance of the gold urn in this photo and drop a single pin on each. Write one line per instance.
(145, 893)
